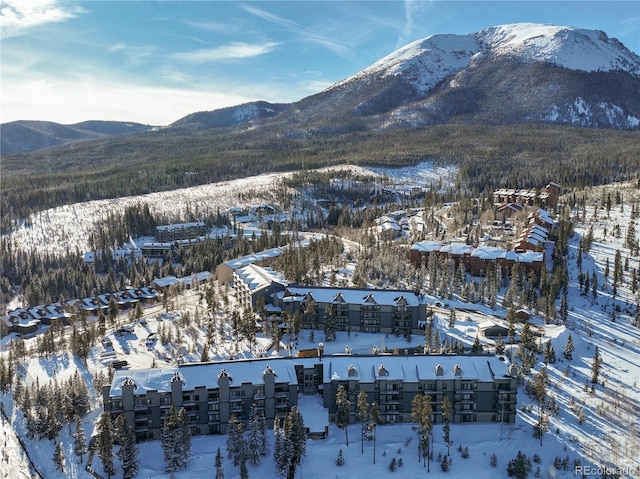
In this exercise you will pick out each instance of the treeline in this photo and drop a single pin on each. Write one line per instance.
(489, 157)
(44, 278)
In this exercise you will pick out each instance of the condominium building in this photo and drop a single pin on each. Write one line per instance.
(480, 388)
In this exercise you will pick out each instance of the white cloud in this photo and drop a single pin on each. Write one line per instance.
(19, 15)
(135, 54)
(74, 101)
(230, 51)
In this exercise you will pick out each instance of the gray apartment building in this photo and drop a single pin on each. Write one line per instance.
(480, 388)
(366, 310)
(180, 231)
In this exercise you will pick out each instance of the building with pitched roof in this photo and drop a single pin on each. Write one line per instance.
(480, 388)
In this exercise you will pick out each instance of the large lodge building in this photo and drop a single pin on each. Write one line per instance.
(480, 388)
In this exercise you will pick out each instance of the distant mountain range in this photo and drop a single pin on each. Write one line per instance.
(24, 135)
(504, 75)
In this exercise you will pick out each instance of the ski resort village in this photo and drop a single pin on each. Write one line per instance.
(290, 332)
(428, 267)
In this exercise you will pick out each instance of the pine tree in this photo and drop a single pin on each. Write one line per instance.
(511, 321)
(105, 443)
(421, 411)
(519, 467)
(340, 460)
(549, 353)
(58, 457)
(596, 366)
(184, 437)
(343, 408)
(477, 347)
(330, 323)
(447, 412)
(295, 436)
(79, 440)
(256, 439)
(500, 346)
(173, 447)
(540, 389)
(244, 472)
(236, 446)
(569, 348)
(372, 426)
(128, 453)
(452, 318)
(363, 414)
(219, 467)
(280, 453)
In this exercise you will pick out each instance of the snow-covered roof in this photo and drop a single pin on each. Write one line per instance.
(257, 278)
(364, 369)
(457, 249)
(351, 296)
(238, 263)
(411, 368)
(203, 375)
(427, 246)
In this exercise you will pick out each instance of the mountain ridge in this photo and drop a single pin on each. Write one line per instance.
(545, 73)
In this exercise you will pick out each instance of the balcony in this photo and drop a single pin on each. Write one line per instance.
(258, 396)
(236, 408)
(236, 399)
(281, 394)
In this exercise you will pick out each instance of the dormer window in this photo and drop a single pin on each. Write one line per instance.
(439, 370)
(352, 372)
(457, 370)
(382, 371)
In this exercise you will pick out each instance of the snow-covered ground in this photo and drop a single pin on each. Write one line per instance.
(65, 228)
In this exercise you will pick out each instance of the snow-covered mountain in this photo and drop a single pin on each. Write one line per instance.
(545, 73)
(230, 116)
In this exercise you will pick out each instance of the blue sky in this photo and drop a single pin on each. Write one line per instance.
(154, 62)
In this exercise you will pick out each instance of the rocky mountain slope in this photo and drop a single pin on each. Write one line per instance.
(543, 73)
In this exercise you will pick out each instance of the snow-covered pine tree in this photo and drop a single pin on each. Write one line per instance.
(184, 437)
(340, 460)
(255, 442)
(128, 453)
(219, 467)
(235, 440)
(549, 353)
(105, 443)
(596, 366)
(569, 348)
(519, 467)
(171, 442)
(295, 436)
(58, 457)
(79, 440)
(280, 448)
